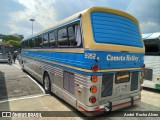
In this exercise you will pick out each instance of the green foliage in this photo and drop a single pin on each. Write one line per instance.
(11, 37)
(15, 44)
(11, 40)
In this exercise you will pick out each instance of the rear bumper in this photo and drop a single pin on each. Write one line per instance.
(125, 103)
(111, 106)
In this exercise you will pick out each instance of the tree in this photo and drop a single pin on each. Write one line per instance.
(13, 40)
(15, 44)
(10, 37)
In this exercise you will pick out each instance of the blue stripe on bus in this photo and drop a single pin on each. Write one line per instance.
(74, 70)
(79, 60)
(114, 29)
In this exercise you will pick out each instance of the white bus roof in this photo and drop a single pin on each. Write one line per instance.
(151, 35)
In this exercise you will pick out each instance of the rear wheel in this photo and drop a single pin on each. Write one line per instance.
(47, 83)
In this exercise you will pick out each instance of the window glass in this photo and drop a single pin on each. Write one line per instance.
(52, 39)
(36, 42)
(40, 41)
(2, 49)
(45, 40)
(71, 35)
(22, 44)
(62, 37)
(26, 44)
(152, 47)
(31, 43)
(74, 35)
(78, 35)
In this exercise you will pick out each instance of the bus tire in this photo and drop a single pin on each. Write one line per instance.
(46, 83)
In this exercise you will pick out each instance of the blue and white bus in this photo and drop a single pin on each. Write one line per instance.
(93, 59)
(152, 60)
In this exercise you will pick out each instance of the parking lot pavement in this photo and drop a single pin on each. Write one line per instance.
(151, 96)
(15, 83)
(53, 103)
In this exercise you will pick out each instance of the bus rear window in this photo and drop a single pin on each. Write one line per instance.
(114, 29)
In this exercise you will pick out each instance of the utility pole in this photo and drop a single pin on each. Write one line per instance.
(32, 20)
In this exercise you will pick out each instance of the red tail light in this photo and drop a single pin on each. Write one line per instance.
(95, 68)
(92, 99)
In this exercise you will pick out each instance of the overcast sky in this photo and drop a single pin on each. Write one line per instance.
(15, 14)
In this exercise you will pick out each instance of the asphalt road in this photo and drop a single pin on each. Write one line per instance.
(20, 92)
(15, 83)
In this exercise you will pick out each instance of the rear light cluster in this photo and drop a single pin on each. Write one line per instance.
(93, 89)
(92, 99)
(94, 79)
(142, 74)
(95, 68)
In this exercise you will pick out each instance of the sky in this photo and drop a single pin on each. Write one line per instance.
(15, 14)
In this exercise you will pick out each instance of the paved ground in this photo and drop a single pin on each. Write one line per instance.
(18, 92)
(15, 83)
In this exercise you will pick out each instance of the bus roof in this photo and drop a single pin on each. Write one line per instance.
(79, 14)
(151, 35)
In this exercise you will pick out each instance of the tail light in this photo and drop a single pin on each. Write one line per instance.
(143, 66)
(93, 89)
(142, 74)
(95, 68)
(92, 99)
(94, 79)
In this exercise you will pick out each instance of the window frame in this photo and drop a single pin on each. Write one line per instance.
(56, 38)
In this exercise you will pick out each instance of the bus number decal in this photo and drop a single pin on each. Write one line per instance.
(90, 55)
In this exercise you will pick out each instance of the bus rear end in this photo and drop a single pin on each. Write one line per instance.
(114, 53)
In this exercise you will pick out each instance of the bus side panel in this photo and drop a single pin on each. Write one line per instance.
(152, 72)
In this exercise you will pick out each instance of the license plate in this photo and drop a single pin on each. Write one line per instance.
(122, 77)
(121, 89)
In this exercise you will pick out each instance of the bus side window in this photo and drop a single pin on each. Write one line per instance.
(78, 35)
(36, 42)
(62, 37)
(26, 44)
(45, 40)
(52, 39)
(31, 43)
(40, 41)
(22, 44)
(71, 35)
